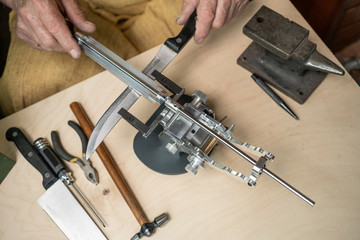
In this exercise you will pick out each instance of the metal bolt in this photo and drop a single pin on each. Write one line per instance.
(171, 147)
(106, 191)
(199, 97)
(194, 164)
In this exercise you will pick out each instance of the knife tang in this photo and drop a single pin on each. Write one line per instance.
(186, 33)
(32, 156)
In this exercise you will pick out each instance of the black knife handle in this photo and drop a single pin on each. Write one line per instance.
(51, 158)
(31, 155)
(186, 33)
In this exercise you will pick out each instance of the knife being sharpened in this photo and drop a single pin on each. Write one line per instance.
(58, 202)
(168, 51)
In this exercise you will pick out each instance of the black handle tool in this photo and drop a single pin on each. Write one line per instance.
(60, 169)
(84, 163)
(186, 33)
(32, 156)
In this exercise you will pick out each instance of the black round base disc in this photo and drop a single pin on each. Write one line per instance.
(152, 152)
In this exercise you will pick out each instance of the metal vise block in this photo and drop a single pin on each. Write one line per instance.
(282, 54)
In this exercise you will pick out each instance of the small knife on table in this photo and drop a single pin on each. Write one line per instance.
(58, 202)
(104, 57)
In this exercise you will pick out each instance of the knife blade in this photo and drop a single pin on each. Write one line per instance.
(58, 202)
(171, 47)
(168, 51)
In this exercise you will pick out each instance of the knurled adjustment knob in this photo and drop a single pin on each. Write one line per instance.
(199, 97)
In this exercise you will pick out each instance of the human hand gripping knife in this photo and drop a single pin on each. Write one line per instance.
(58, 202)
(189, 128)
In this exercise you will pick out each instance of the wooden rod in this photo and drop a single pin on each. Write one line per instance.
(110, 165)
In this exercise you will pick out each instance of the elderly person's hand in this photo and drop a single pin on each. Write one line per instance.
(41, 23)
(210, 14)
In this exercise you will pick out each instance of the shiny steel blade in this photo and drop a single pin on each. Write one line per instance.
(126, 99)
(110, 118)
(167, 52)
(67, 213)
(162, 59)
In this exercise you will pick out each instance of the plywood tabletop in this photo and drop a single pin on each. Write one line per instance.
(318, 154)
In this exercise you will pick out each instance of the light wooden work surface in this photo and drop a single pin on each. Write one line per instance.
(318, 155)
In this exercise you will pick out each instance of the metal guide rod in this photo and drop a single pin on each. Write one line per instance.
(241, 153)
(135, 79)
(92, 209)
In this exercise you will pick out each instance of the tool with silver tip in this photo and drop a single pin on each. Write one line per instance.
(273, 95)
(45, 150)
(85, 164)
(58, 202)
(149, 228)
(282, 54)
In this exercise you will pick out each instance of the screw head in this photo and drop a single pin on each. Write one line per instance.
(106, 191)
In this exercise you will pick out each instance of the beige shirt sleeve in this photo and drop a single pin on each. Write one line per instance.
(127, 27)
